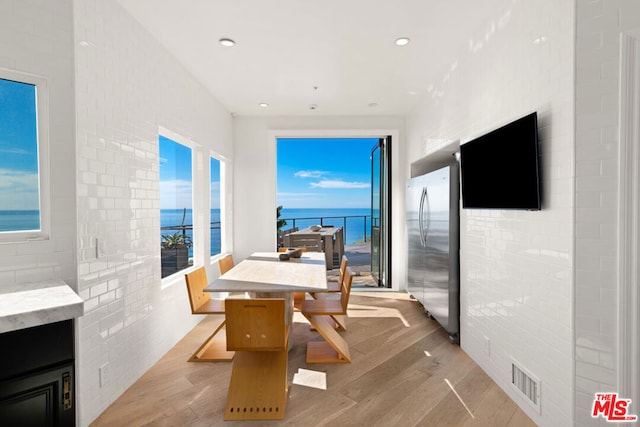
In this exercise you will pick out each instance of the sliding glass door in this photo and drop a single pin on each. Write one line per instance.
(380, 211)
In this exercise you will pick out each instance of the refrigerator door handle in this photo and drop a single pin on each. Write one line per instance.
(420, 215)
(425, 232)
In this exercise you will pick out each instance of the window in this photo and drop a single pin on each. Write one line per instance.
(216, 168)
(176, 197)
(23, 152)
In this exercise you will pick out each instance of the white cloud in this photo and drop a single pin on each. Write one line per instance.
(326, 183)
(309, 174)
(14, 178)
(16, 150)
(178, 194)
(18, 190)
(286, 195)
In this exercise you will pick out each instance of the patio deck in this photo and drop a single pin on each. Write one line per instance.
(359, 256)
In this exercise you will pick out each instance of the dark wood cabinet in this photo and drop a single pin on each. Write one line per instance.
(37, 376)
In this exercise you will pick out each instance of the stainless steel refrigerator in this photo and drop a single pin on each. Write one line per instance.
(433, 202)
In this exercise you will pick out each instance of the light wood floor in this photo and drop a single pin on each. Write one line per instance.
(402, 366)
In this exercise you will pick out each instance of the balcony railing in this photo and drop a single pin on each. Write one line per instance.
(185, 227)
(335, 221)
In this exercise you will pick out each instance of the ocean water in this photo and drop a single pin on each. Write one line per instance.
(355, 221)
(19, 220)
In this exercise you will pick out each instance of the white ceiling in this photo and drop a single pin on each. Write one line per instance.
(285, 48)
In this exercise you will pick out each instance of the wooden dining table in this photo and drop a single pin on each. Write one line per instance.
(265, 272)
(264, 275)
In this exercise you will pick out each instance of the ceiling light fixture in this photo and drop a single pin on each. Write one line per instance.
(227, 42)
(263, 105)
(402, 41)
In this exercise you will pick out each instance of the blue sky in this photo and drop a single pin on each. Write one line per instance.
(18, 147)
(215, 183)
(311, 172)
(324, 173)
(175, 175)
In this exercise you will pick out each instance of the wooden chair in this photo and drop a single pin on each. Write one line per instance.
(336, 286)
(337, 321)
(214, 349)
(257, 331)
(334, 349)
(225, 263)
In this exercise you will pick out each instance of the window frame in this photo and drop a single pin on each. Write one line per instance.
(44, 174)
(179, 139)
(223, 205)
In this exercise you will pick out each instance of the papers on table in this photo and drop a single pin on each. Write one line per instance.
(308, 378)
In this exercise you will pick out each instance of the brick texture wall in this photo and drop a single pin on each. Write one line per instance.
(516, 286)
(128, 87)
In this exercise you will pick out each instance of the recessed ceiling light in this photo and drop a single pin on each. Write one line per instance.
(263, 105)
(402, 41)
(227, 42)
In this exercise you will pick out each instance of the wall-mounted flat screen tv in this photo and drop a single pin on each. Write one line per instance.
(500, 169)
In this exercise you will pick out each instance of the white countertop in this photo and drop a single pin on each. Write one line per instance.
(38, 304)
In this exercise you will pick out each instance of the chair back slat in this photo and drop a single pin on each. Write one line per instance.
(256, 324)
(196, 282)
(302, 249)
(345, 291)
(225, 264)
(343, 267)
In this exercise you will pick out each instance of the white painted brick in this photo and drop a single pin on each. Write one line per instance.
(34, 41)
(516, 270)
(117, 141)
(596, 284)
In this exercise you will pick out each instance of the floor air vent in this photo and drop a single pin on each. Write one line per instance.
(528, 385)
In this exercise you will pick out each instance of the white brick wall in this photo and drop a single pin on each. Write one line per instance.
(599, 25)
(516, 266)
(37, 38)
(127, 87)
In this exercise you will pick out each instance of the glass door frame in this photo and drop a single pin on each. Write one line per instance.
(380, 264)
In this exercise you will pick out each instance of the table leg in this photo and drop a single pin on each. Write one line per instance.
(328, 251)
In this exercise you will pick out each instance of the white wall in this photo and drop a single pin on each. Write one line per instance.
(599, 26)
(516, 266)
(255, 174)
(37, 38)
(128, 87)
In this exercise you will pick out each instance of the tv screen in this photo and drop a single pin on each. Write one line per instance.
(500, 169)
